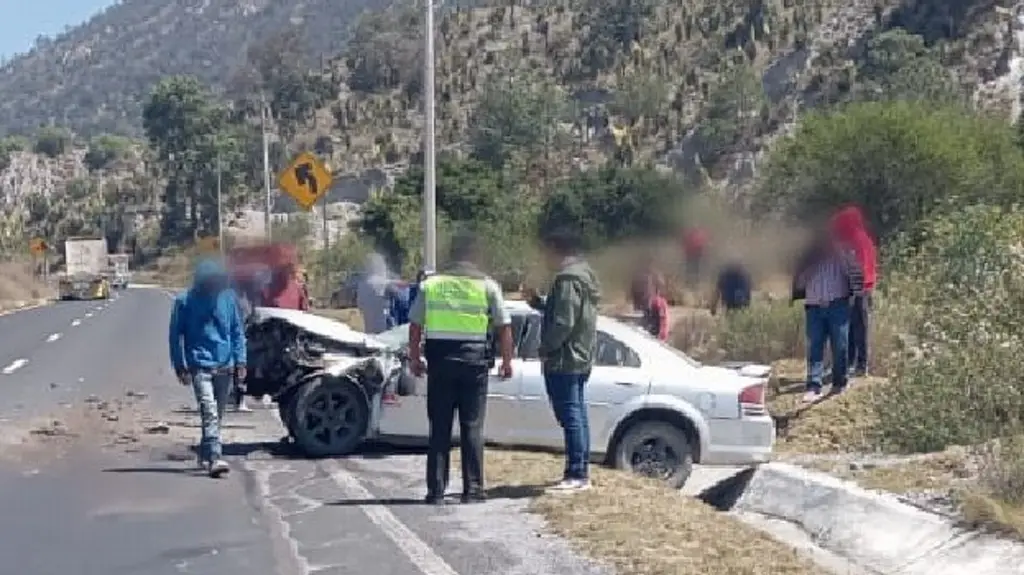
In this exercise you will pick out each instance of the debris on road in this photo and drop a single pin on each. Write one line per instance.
(159, 429)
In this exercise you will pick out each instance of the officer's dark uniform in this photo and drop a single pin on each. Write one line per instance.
(458, 310)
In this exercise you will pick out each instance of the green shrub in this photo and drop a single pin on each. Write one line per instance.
(963, 383)
(763, 333)
(52, 141)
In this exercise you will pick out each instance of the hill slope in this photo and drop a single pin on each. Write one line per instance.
(93, 77)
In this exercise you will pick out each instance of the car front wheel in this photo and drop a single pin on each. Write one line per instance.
(656, 449)
(329, 417)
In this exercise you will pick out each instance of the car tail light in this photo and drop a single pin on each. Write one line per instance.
(752, 399)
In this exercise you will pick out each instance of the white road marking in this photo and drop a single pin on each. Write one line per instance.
(88, 315)
(53, 337)
(76, 323)
(15, 366)
(418, 551)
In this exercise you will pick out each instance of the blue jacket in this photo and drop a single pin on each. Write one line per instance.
(206, 331)
(400, 304)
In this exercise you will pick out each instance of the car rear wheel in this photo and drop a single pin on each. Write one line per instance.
(656, 449)
(328, 417)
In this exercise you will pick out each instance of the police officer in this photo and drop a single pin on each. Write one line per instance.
(456, 316)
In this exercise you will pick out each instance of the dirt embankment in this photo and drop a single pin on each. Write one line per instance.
(20, 287)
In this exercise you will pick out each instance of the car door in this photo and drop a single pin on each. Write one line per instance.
(615, 379)
(406, 416)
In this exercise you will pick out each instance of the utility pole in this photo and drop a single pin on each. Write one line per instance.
(220, 211)
(266, 167)
(429, 184)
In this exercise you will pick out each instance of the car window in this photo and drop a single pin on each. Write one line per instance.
(611, 352)
(395, 338)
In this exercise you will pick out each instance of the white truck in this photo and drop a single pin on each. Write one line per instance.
(120, 274)
(86, 268)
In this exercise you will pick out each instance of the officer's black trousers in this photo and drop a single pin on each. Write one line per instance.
(455, 386)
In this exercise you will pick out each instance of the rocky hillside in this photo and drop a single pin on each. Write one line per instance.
(94, 77)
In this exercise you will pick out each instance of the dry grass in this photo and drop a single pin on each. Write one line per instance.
(844, 423)
(641, 526)
(19, 286)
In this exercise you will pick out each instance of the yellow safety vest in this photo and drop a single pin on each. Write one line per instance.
(456, 308)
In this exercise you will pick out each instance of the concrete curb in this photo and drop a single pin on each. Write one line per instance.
(873, 530)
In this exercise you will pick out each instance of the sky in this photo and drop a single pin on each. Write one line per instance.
(21, 21)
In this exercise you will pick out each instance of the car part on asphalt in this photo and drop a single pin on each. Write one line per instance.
(656, 449)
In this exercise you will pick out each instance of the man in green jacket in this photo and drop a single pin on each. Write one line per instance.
(568, 335)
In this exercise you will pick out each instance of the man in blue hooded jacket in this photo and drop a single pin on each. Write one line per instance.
(207, 343)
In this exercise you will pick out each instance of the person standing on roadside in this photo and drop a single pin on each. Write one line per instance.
(827, 277)
(568, 337)
(373, 295)
(455, 317)
(207, 348)
(656, 318)
(849, 225)
(695, 244)
(733, 288)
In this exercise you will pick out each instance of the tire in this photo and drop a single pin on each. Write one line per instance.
(638, 451)
(285, 411)
(329, 417)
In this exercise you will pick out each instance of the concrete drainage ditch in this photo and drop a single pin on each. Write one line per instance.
(850, 530)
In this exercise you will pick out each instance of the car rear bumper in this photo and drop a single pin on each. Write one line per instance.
(745, 441)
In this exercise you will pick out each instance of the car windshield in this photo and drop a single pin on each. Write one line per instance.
(395, 338)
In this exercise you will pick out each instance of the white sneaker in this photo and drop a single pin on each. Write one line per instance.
(219, 468)
(812, 396)
(243, 407)
(569, 486)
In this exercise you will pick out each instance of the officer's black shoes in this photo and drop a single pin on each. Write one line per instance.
(434, 499)
(473, 497)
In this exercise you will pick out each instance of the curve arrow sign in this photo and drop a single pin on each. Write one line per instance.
(304, 176)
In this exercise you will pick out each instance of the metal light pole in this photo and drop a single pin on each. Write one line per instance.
(429, 184)
(266, 167)
(220, 212)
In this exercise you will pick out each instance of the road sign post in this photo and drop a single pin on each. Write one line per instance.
(306, 180)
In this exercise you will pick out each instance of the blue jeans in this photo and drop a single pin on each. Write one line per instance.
(212, 391)
(827, 324)
(567, 392)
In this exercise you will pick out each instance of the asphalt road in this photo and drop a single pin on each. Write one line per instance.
(95, 506)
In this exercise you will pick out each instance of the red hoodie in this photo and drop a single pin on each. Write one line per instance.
(849, 225)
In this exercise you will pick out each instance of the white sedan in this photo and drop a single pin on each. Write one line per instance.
(652, 408)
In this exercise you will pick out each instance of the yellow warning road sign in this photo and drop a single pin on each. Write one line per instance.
(306, 180)
(37, 246)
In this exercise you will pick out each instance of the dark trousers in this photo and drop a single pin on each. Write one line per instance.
(860, 329)
(827, 324)
(567, 392)
(452, 387)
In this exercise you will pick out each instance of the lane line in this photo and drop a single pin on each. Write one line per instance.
(418, 551)
(15, 366)
(53, 337)
(76, 323)
(88, 315)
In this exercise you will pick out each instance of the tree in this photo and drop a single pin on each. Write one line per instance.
(52, 141)
(899, 66)
(8, 146)
(193, 138)
(385, 52)
(902, 161)
(470, 195)
(105, 150)
(614, 203)
(733, 116)
(514, 116)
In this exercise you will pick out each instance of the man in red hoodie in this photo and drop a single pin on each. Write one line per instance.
(849, 225)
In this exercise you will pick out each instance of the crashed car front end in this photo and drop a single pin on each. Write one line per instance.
(325, 377)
